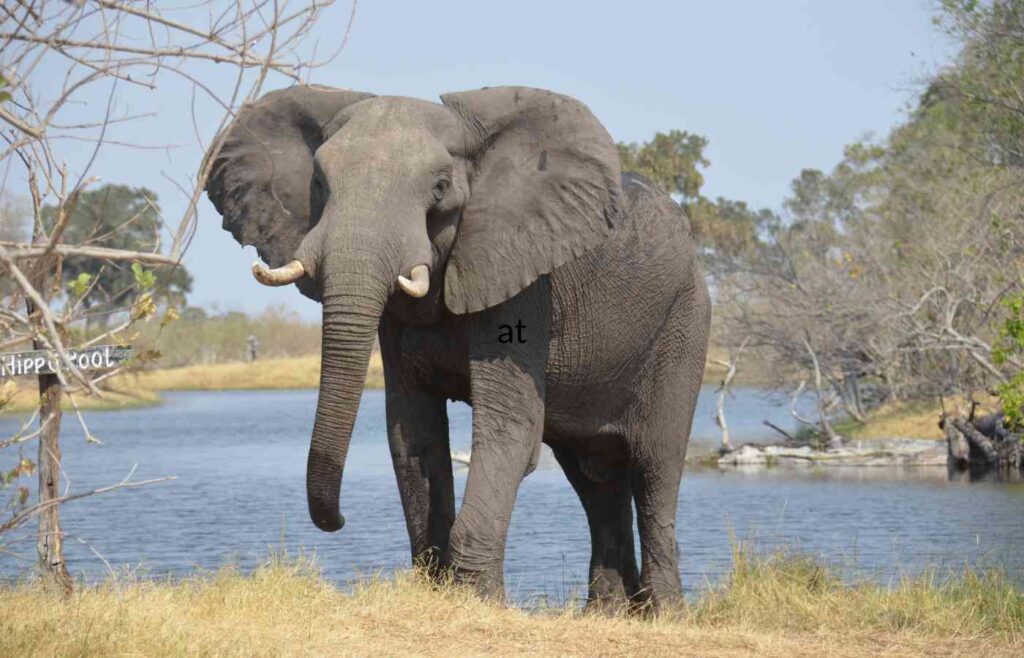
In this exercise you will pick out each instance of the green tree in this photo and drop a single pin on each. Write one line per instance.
(1009, 348)
(672, 160)
(989, 73)
(117, 217)
(675, 161)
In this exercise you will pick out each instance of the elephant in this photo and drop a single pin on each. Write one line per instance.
(492, 245)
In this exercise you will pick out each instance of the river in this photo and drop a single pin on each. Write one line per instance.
(240, 459)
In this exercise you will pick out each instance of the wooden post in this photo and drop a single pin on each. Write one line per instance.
(50, 540)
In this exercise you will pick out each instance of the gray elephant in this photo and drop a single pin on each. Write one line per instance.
(493, 246)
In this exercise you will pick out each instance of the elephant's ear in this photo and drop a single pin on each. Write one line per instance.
(544, 189)
(260, 178)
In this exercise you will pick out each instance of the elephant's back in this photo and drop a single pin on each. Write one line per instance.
(610, 306)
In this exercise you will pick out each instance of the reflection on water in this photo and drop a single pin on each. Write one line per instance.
(240, 459)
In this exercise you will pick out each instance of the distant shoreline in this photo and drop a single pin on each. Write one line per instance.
(143, 389)
(907, 420)
(265, 374)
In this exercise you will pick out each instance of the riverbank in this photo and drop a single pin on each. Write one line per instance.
(919, 420)
(22, 396)
(286, 373)
(143, 388)
(770, 607)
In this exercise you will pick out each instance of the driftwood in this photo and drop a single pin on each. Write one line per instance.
(982, 443)
(789, 437)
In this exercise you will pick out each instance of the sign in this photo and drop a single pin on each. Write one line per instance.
(44, 362)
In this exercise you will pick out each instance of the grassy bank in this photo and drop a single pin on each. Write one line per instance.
(779, 607)
(919, 419)
(23, 396)
(142, 389)
(285, 373)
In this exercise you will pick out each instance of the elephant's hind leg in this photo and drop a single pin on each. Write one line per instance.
(614, 578)
(658, 436)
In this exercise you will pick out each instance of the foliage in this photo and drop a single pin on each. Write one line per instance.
(673, 161)
(989, 74)
(80, 263)
(891, 268)
(117, 217)
(202, 337)
(1011, 342)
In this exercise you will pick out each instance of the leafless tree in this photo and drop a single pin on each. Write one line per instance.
(903, 292)
(66, 68)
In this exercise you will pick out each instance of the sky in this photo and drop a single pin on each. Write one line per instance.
(776, 87)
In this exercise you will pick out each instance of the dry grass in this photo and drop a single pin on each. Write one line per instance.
(292, 372)
(907, 419)
(780, 607)
(23, 396)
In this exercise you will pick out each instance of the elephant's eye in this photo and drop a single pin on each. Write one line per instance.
(440, 189)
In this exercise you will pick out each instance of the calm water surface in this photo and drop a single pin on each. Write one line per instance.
(240, 460)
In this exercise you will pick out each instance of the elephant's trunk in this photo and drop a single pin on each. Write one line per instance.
(353, 300)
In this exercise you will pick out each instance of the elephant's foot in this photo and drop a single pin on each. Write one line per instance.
(662, 599)
(614, 591)
(434, 564)
(486, 584)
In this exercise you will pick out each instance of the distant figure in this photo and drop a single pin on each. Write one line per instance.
(253, 344)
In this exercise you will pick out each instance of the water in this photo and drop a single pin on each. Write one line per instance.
(240, 460)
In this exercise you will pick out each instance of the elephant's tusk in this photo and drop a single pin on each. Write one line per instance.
(419, 284)
(279, 276)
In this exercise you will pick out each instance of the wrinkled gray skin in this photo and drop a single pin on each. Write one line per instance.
(513, 198)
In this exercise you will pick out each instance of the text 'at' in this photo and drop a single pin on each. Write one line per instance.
(508, 336)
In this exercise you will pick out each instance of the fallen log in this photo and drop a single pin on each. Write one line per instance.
(982, 443)
(982, 452)
(789, 437)
(956, 444)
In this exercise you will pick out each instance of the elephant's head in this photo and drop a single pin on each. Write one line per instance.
(361, 199)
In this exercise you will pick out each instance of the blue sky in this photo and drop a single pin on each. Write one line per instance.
(775, 86)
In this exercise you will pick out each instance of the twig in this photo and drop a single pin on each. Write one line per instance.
(20, 251)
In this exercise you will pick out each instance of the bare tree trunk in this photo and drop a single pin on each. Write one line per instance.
(958, 450)
(50, 540)
(891, 391)
(848, 395)
(723, 392)
(853, 380)
(834, 440)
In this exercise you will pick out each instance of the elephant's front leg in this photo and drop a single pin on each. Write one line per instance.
(507, 393)
(418, 437)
